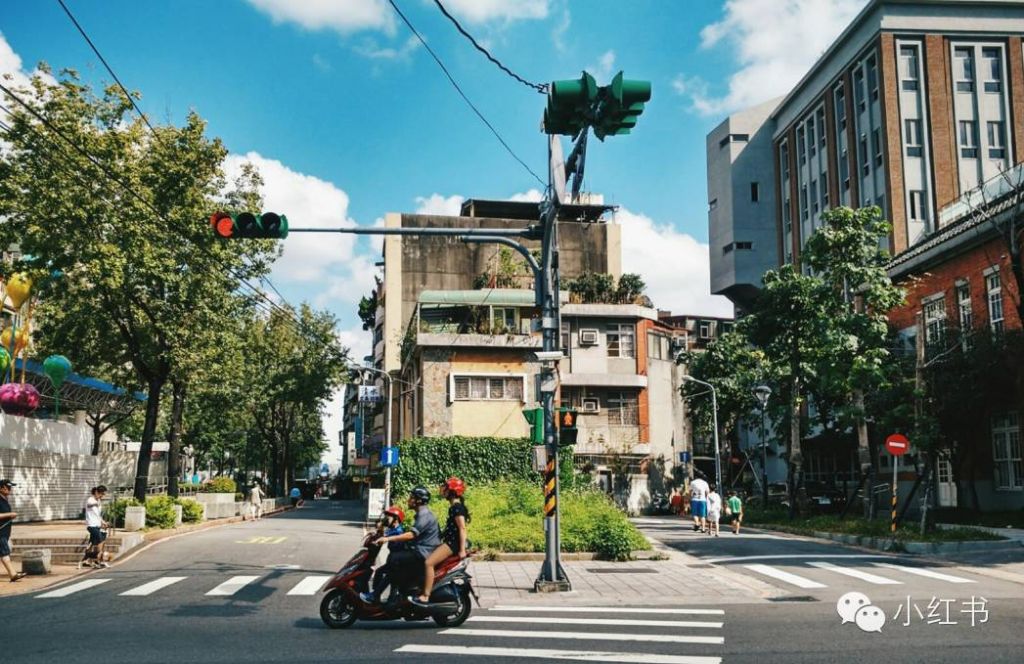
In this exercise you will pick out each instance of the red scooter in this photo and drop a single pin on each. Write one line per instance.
(449, 602)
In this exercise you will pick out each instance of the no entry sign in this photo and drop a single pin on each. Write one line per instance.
(897, 444)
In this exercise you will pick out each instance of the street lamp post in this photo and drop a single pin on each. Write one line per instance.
(387, 434)
(714, 416)
(762, 392)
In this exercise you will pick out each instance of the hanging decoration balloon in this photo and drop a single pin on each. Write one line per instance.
(18, 399)
(5, 360)
(19, 287)
(18, 291)
(57, 368)
(14, 341)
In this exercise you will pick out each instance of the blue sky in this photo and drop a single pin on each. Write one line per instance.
(348, 118)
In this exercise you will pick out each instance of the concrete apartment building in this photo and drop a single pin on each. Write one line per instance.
(918, 108)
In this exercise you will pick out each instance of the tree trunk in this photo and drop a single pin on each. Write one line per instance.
(864, 452)
(174, 438)
(795, 455)
(148, 433)
(97, 433)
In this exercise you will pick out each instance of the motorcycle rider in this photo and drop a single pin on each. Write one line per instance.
(454, 537)
(390, 526)
(425, 535)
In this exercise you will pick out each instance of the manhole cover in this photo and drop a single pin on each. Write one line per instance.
(628, 570)
(797, 598)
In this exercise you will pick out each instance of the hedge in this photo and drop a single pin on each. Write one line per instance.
(219, 484)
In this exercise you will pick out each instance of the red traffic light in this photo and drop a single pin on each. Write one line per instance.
(223, 224)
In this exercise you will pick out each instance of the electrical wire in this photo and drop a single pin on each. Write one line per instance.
(539, 87)
(462, 94)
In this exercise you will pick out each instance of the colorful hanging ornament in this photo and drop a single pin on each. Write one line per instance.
(19, 287)
(57, 368)
(18, 399)
(5, 360)
(13, 341)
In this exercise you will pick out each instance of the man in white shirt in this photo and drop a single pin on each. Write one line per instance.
(256, 501)
(714, 511)
(94, 523)
(699, 490)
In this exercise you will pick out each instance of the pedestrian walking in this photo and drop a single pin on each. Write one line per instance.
(676, 501)
(714, 510)
(95, 525)
(699, 504)
(7, 516)
(255, 502)
(734, 512)
(296, 495)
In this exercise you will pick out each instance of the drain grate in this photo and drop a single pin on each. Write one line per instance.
(628, 570)
(796, 598)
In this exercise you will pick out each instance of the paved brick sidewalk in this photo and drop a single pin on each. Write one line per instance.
(679, 580)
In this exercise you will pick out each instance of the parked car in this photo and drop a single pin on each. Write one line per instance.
(824, 498)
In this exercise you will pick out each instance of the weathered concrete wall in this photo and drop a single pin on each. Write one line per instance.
(50, 486)
(117, 469)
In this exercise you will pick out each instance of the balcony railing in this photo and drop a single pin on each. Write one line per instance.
(991, 191)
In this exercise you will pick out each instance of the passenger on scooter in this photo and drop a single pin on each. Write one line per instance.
(406, 567)
(454, 538)
(391, 526)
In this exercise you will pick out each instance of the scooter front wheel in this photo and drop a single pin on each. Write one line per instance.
(462, 610)
(336, 610)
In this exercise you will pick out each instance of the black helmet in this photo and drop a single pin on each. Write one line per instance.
(421, 494)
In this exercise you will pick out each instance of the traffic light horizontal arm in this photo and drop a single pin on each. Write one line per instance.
(451, 232)
(491, 237)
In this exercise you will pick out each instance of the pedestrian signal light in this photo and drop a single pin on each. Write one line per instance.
(567, 429)
(268, 225)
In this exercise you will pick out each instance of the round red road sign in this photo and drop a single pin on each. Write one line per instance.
(897, 444)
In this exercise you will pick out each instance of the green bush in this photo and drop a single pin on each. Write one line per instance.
(220, 484)
(614, 540)
(160, 512)
(114, 511)
(191, 511)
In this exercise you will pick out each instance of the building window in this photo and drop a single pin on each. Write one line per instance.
(992, 68)
(786, 211)
(865, 160)
(733, 138)
(658, 347)
(801, 145)
(623, 409)
(858, 89)
(876, 146)
(968, 139)
(821, 129)
(812, 144)
(488, 388)
(803, 202)
(712, 204)
(908, 67)
(935, 322)
(841, 109)
(1007, 464)
(506, 319)
(705, 329)
(996, 140)
(755, 193)
(824, 190)
(844, 169)
(565, 335)
(963, 68)
(784, 160)
(913, 138)
(994, 289)
(814, 196)
(620, 340)
(963, 300)
(918, 206)
(873, 78)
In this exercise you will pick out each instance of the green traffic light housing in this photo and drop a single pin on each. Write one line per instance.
(568, 104)
(621, 106)
(612, 110)
(247, 225)
(535, 418)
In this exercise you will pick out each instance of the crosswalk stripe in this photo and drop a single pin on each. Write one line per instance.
(153, 586)
(232, 586)
(73, 588)
(589, 636)
(309, 585)
(602, 609)
(857, 574)
(932, 574)
(545, 653)
(799, 581)
(548, 620)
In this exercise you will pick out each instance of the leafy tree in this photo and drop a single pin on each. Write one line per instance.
(368, 310)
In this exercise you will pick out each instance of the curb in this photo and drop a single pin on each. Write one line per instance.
(886, 544)
(514, 557)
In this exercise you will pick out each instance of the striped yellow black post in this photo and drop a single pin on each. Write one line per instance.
(550, 497)
(894, 504)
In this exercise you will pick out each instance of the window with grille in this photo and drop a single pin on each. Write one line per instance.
(1008, 468)
(623, 409)
(488, 388)
(994, 289)
(935, 322)
(620, 341)
(963, 303)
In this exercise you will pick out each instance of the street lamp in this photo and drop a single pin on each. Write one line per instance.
(714, 415)
(762, 392)
(387, 434)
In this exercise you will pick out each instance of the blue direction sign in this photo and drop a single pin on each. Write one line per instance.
(684, 457)
(389, 456)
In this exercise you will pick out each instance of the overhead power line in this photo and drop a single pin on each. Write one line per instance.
(462, 94)
(539, 87)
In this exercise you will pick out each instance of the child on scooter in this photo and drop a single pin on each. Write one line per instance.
(390, 525)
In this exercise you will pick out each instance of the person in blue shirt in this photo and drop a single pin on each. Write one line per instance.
(296, 496)
(391, 526)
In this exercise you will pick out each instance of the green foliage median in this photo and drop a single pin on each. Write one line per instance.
(507, 517)
(880, 528)
(159, 511)
(219, 484)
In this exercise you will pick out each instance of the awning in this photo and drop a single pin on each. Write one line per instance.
(500, 297)
(78, 392)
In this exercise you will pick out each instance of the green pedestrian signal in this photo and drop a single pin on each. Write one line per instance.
(535, 418)
(568, 419)
(246, 225)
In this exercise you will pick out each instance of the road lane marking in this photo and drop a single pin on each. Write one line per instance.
(931, 574)
(857, 574)
(736, 559)
(589, 636)
(73, 588)
(153, 586)
(261, 540)
(548, 620)
(781, 575)
(232, 586)
(599, 609)
(546, 653)
(310, 585)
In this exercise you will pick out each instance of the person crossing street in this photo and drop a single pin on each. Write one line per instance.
(7, 516)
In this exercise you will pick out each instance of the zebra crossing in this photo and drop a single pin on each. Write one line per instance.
(634, 635)
(874, 574)
(307, 586)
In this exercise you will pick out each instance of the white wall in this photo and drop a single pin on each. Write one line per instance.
(26, 433)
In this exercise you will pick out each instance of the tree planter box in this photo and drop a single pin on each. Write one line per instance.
(215, 498)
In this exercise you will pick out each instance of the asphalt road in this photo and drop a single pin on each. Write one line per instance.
(247, 593)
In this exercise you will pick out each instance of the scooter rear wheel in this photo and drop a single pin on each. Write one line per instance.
(336, 610)
(462, 610)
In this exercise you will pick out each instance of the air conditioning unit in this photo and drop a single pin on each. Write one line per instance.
(588, 337)
(590, 406)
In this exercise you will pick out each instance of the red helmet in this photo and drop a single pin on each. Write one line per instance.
(396, 512)
(454, 485)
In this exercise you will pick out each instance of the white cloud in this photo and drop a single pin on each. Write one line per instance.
(560, 30)
(321, 63)
(343, 16)
(674, 265)
(372, 50)
(439, 205)
(483, 11)
(309, 202)
(11, 67)
(602, 69)
(531, 196)
(775, 43)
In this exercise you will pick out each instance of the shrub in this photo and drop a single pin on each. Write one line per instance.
(613, 540)
(160, 512)
(220, 484)
(114, 511)
(191, 511)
